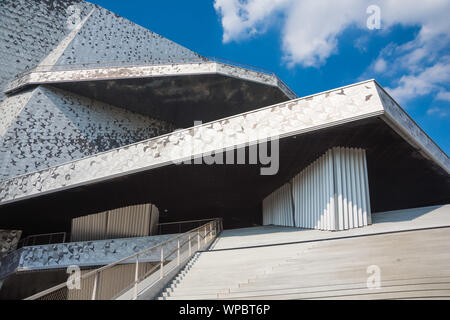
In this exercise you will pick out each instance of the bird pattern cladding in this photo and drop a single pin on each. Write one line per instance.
(57, 126)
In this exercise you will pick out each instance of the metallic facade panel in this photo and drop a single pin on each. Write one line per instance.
(132, 221)
(8, 241)
(277, 207)
(111, 282)
(276, 121)
(332, 193)
(91, 227)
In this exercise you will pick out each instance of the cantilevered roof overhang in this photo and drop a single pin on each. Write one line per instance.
(180, 93)
(406, 168)
(295, 117)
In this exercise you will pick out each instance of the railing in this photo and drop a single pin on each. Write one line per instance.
(130, 276)
(179, 226)
(40, 239)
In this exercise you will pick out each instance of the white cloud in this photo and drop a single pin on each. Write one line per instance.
(380, 65)
(310, 31)
(311, 27)
(441, 113)
(443, 95)
(241, 19)
(430, 80)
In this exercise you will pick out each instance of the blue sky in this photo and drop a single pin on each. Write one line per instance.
(319, 45)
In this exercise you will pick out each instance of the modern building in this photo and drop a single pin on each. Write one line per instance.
(110, 132)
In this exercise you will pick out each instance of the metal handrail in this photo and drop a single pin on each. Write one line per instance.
(184, 221)
(218, 224)
(179, 223)
(25, 241)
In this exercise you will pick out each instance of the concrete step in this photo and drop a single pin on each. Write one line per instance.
(400, 291)
(269, 283)
(352, 288)
(413, 265)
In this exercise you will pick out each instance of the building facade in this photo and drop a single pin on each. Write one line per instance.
(100, 114)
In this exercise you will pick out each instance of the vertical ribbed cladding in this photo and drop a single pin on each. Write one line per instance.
(352, 188)
(154, 220)
(332, 193)
(111, 281)
(277, 207)
(313, 190)
(91, 227)
(132, 221)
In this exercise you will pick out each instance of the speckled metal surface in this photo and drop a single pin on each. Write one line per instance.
(62, 32)
(8, 241)
(43, 25)
(414, 134)
(82, 254)
(108, 37)
(54, 33)
(54, 127)
(289, 118)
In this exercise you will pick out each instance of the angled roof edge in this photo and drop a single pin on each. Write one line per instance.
(293, 117)
(395, 116)
(70, 73)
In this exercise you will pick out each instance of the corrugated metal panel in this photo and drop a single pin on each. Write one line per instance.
(132, 221)
(277, 207)
(111, 281)
(91, 227)
(352, 192)
(332, 193)
(154, 220)
(313, 192)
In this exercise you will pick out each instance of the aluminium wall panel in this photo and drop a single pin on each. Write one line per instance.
(332, 193)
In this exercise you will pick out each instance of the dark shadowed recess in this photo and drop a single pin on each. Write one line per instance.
(181, 99)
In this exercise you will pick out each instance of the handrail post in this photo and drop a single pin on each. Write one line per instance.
(136, 278)
(178, 253)
(161, 269)
(95, 287)
(204, 239)
(210, 230)
(190, 249)
(198, 239)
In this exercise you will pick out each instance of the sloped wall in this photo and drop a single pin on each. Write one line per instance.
(46, 127)
(108, 38)
(32, 30)
(57, 126)
(29, 31)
